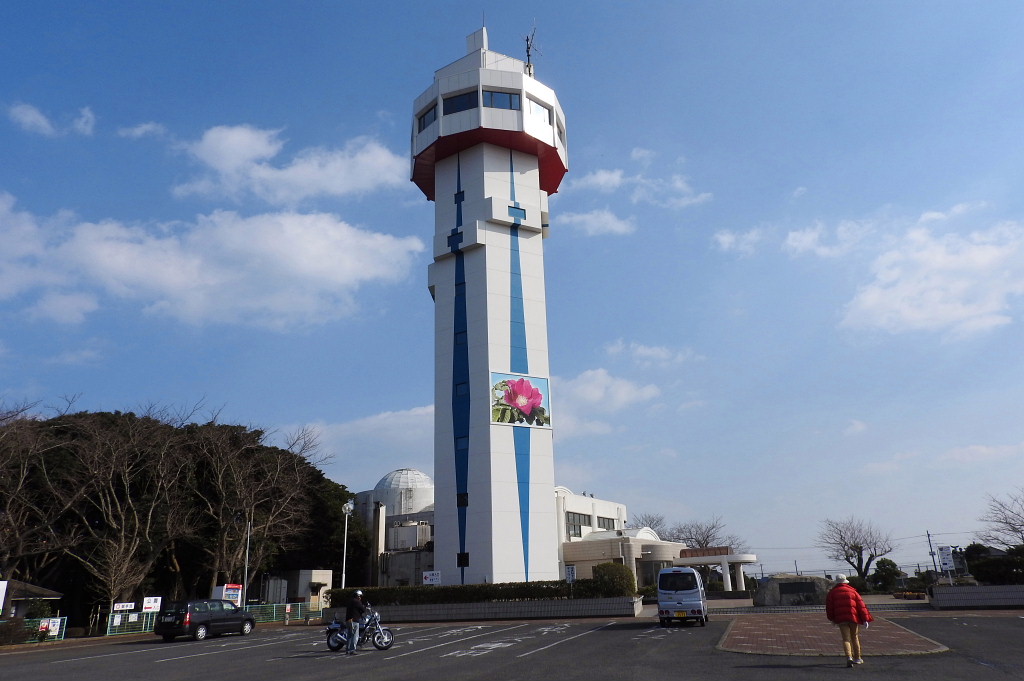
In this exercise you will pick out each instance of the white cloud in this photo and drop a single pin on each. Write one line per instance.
(404, 438)
(956, 211)
(848, 234)
(674, 192)
(277, 270)
(600, 180)
(238, 158)
(64, 308)
(653, 355)
(85, 123)
(798, 192)
(961, 285)
(31, 119)
(974, 454)
(855, 427)
(598, 222)
(150, 129)
(76, 357)
(589, 403)
(743, 243)
(642, 156)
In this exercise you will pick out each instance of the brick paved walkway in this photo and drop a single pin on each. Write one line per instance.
(812, 634)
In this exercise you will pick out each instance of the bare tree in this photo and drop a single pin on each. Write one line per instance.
(856, 542)
(132, 467)
(655, 521)
(35, 494)
(703, 534)
(250, 495)
(1005, 519)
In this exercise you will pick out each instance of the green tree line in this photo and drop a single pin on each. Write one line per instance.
(112, 506)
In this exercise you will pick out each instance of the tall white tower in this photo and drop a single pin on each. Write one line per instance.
(488, 147)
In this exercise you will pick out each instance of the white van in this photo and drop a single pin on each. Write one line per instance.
(681, 596)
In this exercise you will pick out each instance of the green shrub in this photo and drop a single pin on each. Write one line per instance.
(608, 582)
(14, 631)
(614, 579)
(859, 583)
(38, 608)
(999, 570)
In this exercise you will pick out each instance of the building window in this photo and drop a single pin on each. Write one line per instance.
(501, 100)
(463, 102)
(605, 523)
(538, 111)
(427, 117)
(574, 523)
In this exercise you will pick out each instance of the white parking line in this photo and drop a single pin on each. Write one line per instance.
(93, 657)
(560, 641)
(448, 643)
(223, 650)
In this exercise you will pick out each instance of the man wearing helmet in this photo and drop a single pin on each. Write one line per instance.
(353, 615)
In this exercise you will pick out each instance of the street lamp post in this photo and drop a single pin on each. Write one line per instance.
(245, 575)
(347, 508)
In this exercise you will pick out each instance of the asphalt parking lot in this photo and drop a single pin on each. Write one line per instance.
(973, 646)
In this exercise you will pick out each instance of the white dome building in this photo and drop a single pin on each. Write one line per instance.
(403, 492)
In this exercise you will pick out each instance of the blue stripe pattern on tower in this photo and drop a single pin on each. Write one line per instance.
(519, 363)
(460, 374)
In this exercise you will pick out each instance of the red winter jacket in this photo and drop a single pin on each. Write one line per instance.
(844, 604)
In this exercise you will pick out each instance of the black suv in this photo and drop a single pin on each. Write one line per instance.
(201, 618)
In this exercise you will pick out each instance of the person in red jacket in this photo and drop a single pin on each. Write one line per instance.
(845, 608)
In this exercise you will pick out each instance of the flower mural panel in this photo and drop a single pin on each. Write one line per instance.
(520, 400)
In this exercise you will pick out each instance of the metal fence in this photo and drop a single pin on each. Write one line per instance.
(142, 622)
(45, 629)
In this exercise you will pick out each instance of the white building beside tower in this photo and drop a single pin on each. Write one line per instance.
(488, 148)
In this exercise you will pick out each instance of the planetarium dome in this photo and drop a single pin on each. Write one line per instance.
(405, 478)
(402, 492)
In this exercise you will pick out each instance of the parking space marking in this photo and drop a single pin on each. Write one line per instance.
(448, 643)
(223, 649)
(569, 638)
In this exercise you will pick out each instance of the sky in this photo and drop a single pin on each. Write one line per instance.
(784, 274)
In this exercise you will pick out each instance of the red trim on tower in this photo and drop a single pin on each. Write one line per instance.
(552, 169)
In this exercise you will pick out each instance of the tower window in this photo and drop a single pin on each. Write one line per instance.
(605, 523)
(427, 117)
(501, 100)
(463, 102)
(538, 111)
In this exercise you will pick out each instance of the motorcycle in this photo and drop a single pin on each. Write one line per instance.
(369, 630)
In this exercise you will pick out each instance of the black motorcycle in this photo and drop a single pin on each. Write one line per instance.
(369, 630)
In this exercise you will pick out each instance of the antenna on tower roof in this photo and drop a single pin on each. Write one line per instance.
(530, 47)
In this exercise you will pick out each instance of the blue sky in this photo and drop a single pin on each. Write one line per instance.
(785, 271)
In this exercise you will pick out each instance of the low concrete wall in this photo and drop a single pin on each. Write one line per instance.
(951, 597)
(458, 612)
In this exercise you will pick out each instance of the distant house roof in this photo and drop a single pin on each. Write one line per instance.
(18, 591)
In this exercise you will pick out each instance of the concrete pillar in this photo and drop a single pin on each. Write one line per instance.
(741, 583)
(726, 580)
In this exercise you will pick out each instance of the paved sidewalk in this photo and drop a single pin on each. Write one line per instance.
(812, 634)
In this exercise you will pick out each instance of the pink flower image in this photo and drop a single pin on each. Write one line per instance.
(523, 396)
